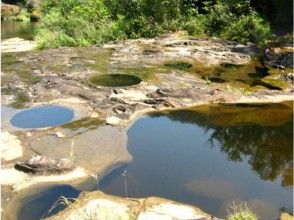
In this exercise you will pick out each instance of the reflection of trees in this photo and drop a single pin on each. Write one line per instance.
(268, 149)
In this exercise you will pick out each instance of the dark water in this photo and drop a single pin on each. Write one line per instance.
(115, 80)
(11, 29)
(41, 117)
(38, 205)
(212, 156)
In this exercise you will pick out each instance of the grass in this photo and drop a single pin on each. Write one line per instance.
(179, 65)
(241, 212)
(82, 212)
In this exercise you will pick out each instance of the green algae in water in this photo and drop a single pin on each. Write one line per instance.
(115, 80)
(179, 65)
(20, 101)
(87, 123)
(214, 79)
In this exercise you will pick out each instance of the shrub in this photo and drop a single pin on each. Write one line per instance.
(248, 28)
(86, 22)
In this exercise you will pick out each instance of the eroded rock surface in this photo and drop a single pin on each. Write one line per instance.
(61, 76)
(44, 165)
(96, 150)
(10, 147)
(98, 205)
(208, 51)
(17, 45)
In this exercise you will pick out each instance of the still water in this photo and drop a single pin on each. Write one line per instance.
(210, 156)
(11, 29)
(42, 117)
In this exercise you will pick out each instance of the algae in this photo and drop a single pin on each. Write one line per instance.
(114, 80)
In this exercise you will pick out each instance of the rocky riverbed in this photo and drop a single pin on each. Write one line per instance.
(174, 71)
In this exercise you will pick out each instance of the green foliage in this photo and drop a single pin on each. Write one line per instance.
(248, 28)
(83, 23)
(75, 23)
(22, 16)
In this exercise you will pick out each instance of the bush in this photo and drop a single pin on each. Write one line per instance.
(87, 22)
(75, 23)
(248, 28)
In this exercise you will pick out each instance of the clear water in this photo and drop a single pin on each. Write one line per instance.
(41, 117)
(212, 156)
(44, 203)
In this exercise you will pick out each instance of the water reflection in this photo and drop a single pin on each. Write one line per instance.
(210, 156)
(11, 29)
(261, 134)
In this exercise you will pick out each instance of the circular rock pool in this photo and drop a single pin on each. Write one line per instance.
(114, 80)
(41, 117)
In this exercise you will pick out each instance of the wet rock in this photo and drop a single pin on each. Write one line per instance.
(280, 58)
(288, 77)
(249, 49)
(96, 150)
(44, 165)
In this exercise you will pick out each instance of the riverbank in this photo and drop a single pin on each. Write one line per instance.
(62, 76)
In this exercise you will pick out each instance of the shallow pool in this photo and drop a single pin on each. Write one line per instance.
(41, 117)
(211, 156)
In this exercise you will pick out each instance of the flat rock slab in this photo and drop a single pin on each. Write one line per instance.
(10, 147)
(95, 150)
(17, 45)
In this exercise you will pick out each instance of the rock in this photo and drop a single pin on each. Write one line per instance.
(35, 16)
(96, 150)
(119, 109)
(10, 147)
(17, 45)
(248, 49)
(286, 216)
(44, 165)
(94, 115)
(19, 180)
(113, 120)
(279, 57)
(32, 5)
(8, 10)
(288, 77)
(59, 134)
(98, 205)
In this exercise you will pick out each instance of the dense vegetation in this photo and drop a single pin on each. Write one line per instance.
(86, 22)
